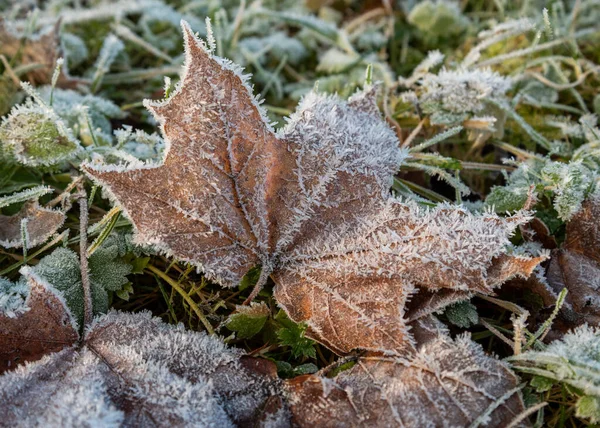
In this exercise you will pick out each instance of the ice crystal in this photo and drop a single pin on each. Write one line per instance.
(12, 298)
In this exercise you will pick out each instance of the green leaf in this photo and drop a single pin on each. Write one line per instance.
(462, 314)
(542, 384)
(249, 320)
(588, 407)
(292, 335)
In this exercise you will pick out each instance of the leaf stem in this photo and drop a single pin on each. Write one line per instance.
(262, 280)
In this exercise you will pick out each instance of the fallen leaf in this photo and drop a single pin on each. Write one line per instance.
(129, 370)
(576, 266)
(310, 204)
(40, 224)
(446, 383)
(41, 50)
(44, 325)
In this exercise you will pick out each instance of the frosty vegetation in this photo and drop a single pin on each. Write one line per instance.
(346, 198)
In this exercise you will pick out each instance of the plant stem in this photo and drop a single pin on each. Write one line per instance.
(83, 260)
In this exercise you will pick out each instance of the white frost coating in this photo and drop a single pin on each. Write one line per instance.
(13, 298)
(28, 272)
(25, 195)
(134, 370)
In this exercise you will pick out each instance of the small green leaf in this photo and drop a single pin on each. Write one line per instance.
(588, 407)
(462, 314)
(542, 384)
(249, 320)
(139, 264)
(292, 335)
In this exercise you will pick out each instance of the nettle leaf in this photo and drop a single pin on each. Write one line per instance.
(311, 204)
(445, 383)
(35, 136)
(107, 273)
(31, 226)
(128, 370)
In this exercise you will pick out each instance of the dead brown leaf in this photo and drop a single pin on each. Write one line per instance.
(40, 223)
(310, 204)
(40, 51)
(129, 370)
(445, 383)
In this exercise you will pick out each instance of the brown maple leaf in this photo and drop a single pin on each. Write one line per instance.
(128, 370)
(41, 50)
(40, 224)
(445, 383)
(311, 204)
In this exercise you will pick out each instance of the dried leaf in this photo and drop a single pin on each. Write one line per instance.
(310, 204)
(576, 266)
(40, 224)
(446, 383)
(43, 326)
(130, 370)
(42, 49)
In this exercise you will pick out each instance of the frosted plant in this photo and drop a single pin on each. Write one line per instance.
(172, 376)
(33, 224)
(438, 18)
(34, 135)
(69, 106)
(310, 205)
(573, 361)
(140, 144)
(451, 96)
(566, 184)
(455, 381)
(12, 298)
(107, 274)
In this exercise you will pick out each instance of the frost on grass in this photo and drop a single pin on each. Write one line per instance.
(130, 370)
(445, 383)
(573, 361)
(310, 204)
(31, 226)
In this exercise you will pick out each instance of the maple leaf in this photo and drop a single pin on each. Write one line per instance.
(42, 49)
(128, 370)
(310, 204)
(38, 224)
(445, 383)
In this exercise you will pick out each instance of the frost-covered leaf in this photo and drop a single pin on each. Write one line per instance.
(462, 314)
(41, 50)
(573, 361)
(130, 370)
(310, 204)
(37, 325)
(576, 265)
(106, 270)
(36, 136)
(248, 320)
(446, 383)
(34, 221)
